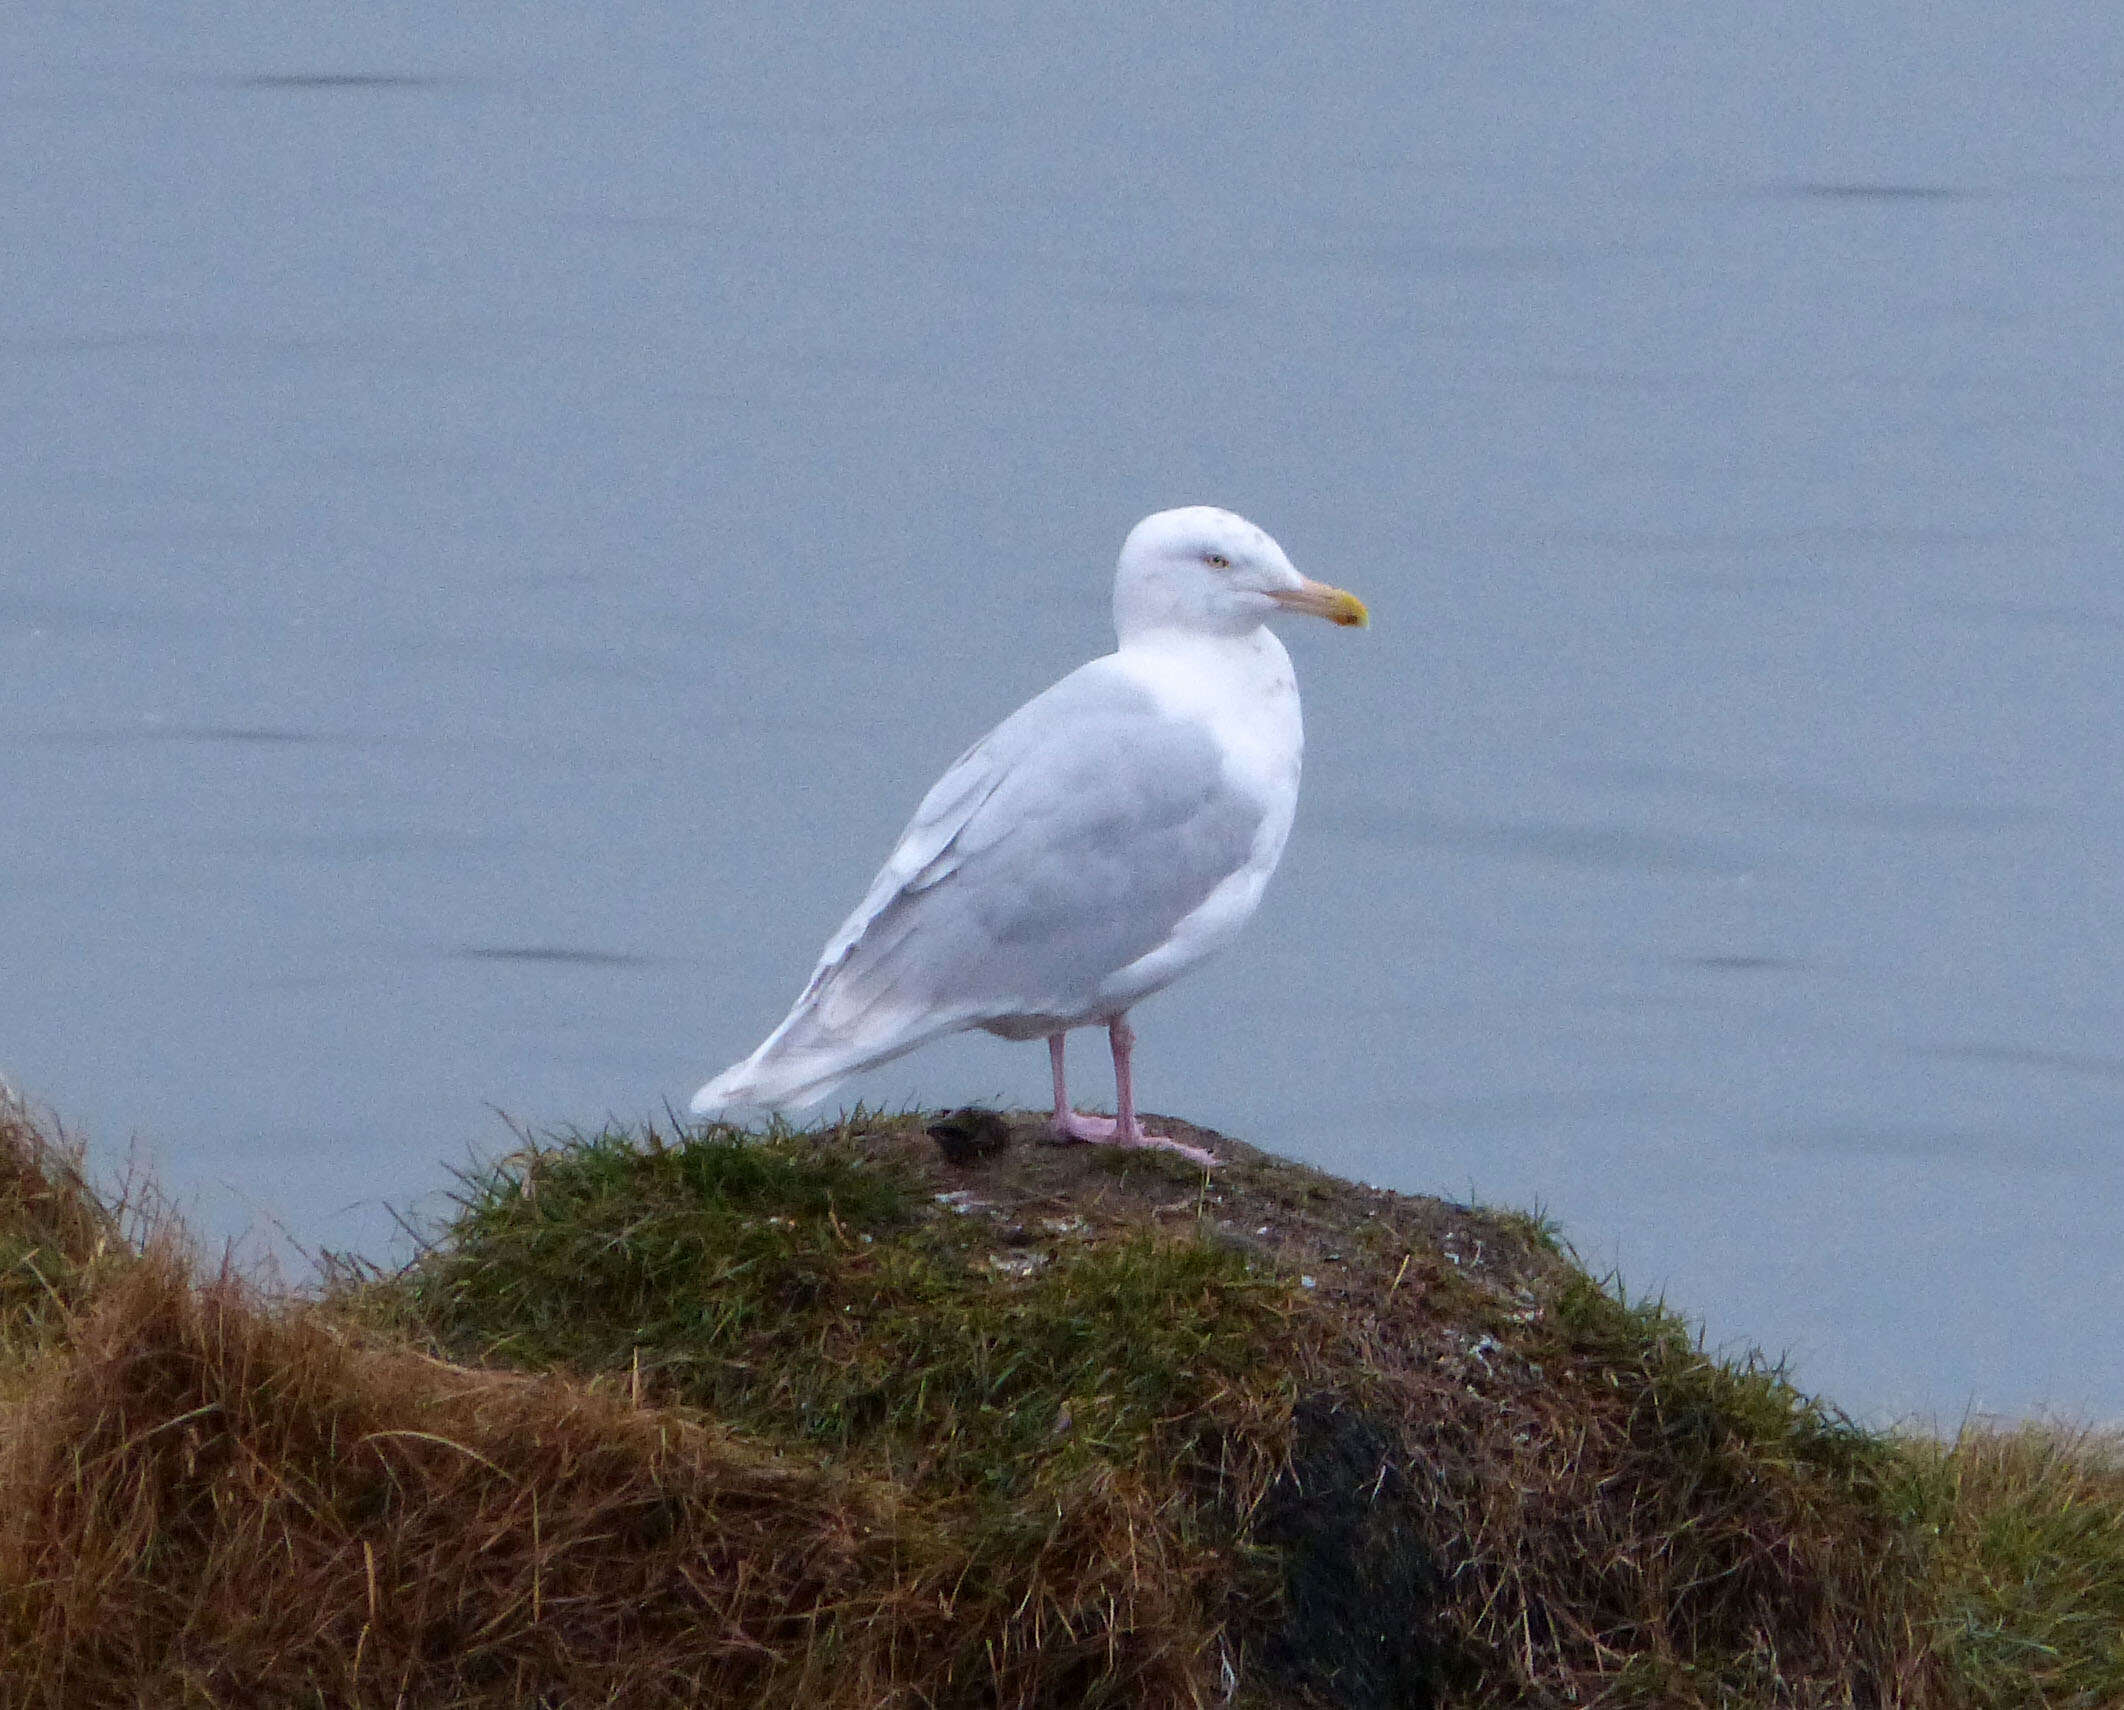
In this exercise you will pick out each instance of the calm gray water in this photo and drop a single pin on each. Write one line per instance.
(504, 513)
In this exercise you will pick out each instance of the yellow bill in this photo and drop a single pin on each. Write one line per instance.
(1317, 599)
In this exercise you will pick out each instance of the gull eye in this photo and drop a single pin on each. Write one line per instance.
(1216, 561)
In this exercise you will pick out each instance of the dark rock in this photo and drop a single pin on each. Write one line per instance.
(967, 1136)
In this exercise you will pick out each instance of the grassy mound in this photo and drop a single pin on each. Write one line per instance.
(829, 1419)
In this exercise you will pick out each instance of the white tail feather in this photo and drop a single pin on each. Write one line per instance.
(753, 1087)
(796, 1068)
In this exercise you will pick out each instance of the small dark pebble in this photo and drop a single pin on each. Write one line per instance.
(967, 1136)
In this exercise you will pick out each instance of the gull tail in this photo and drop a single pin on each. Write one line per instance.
(804, 1060)
(762, 1084)
(866, 1003)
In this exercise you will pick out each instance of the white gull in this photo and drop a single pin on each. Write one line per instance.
(1097, 844)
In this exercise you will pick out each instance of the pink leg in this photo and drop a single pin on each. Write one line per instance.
(1068, 1124)
(1127, 1130)
(1124, 1130)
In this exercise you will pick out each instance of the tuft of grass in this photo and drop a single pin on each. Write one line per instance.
(1619, 1517)
(58, 1237)
(1741, 1542)
(2029, 1563)
(1708, 1413)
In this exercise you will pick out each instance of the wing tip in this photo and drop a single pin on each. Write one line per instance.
(742, 1094)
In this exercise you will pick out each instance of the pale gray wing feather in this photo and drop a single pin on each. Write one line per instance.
(1065, 845)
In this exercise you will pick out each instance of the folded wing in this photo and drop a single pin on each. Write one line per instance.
(1061, 848)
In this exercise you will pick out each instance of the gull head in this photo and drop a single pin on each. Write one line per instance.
(1207, 571)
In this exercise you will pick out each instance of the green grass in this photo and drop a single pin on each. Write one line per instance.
(799, 1294)
(1737, 1417)
(59, 1239)
(2028, 1563)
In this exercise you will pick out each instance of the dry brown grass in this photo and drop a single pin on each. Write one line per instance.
(1619, 1519)
(213, 1502)
(734, 1423)
(213, 1497)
